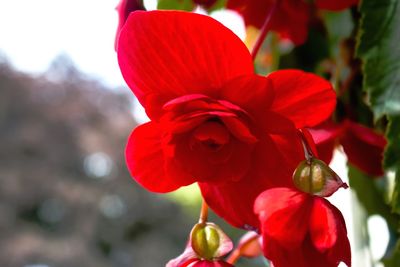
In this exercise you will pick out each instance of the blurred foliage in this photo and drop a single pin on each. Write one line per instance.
(378, 46)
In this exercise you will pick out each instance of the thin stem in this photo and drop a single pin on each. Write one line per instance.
(307, 149)
(264, 30)
(203, 212)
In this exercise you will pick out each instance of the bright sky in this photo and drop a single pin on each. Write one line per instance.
(32, 33)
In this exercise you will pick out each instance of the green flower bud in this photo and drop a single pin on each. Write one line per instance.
(209, 241)
(313, 176)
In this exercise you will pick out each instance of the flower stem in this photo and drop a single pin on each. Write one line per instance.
(308, 153)
(264, 30)
(203, 213)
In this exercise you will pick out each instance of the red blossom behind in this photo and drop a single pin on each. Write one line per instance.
(301, 230)
(291, 18)
(213, 120)
(362, 145)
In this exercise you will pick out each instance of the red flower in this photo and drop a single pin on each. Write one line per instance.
(124, 8)
(301, 230)
(213, 120)
(290, 19)
(363, 147)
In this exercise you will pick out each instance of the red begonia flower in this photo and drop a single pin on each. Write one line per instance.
(124, 8)
(213, 120)
(363, 147)
(291, 17)
(301, 230)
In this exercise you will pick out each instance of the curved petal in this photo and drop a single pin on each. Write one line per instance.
(323, 225)
(328, 236)
(303, 97)
(284, 215)
(335, 5)
(166, 54)
(364, 148)
(147, 164)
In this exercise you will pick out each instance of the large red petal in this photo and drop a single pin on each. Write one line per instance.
(335, 5)
(305, 98)
(284, 215)
(364, 148)
(147, 164)
(167, 54)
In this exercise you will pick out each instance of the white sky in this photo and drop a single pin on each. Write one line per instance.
(33, 32)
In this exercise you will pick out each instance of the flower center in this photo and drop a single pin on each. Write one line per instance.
(212, 134)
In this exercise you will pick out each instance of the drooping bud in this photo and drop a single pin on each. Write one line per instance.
(313, 176)
(208, 241)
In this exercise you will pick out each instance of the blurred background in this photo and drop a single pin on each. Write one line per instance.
(66, 198)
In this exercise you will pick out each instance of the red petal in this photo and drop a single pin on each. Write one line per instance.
(167, 54)
(291, 20)
(335, 5)
(329, 236)
(284, 215)
(323, 225)
(364, 148)
(326, 136)
(305, 98)
(147, 164)
(267, 168)
(252, 93)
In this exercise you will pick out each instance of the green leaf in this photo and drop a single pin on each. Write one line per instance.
(379, 48)
(186, 5)
(392, 152)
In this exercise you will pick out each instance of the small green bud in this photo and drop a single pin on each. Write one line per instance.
(313, 176)
(209, 241)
